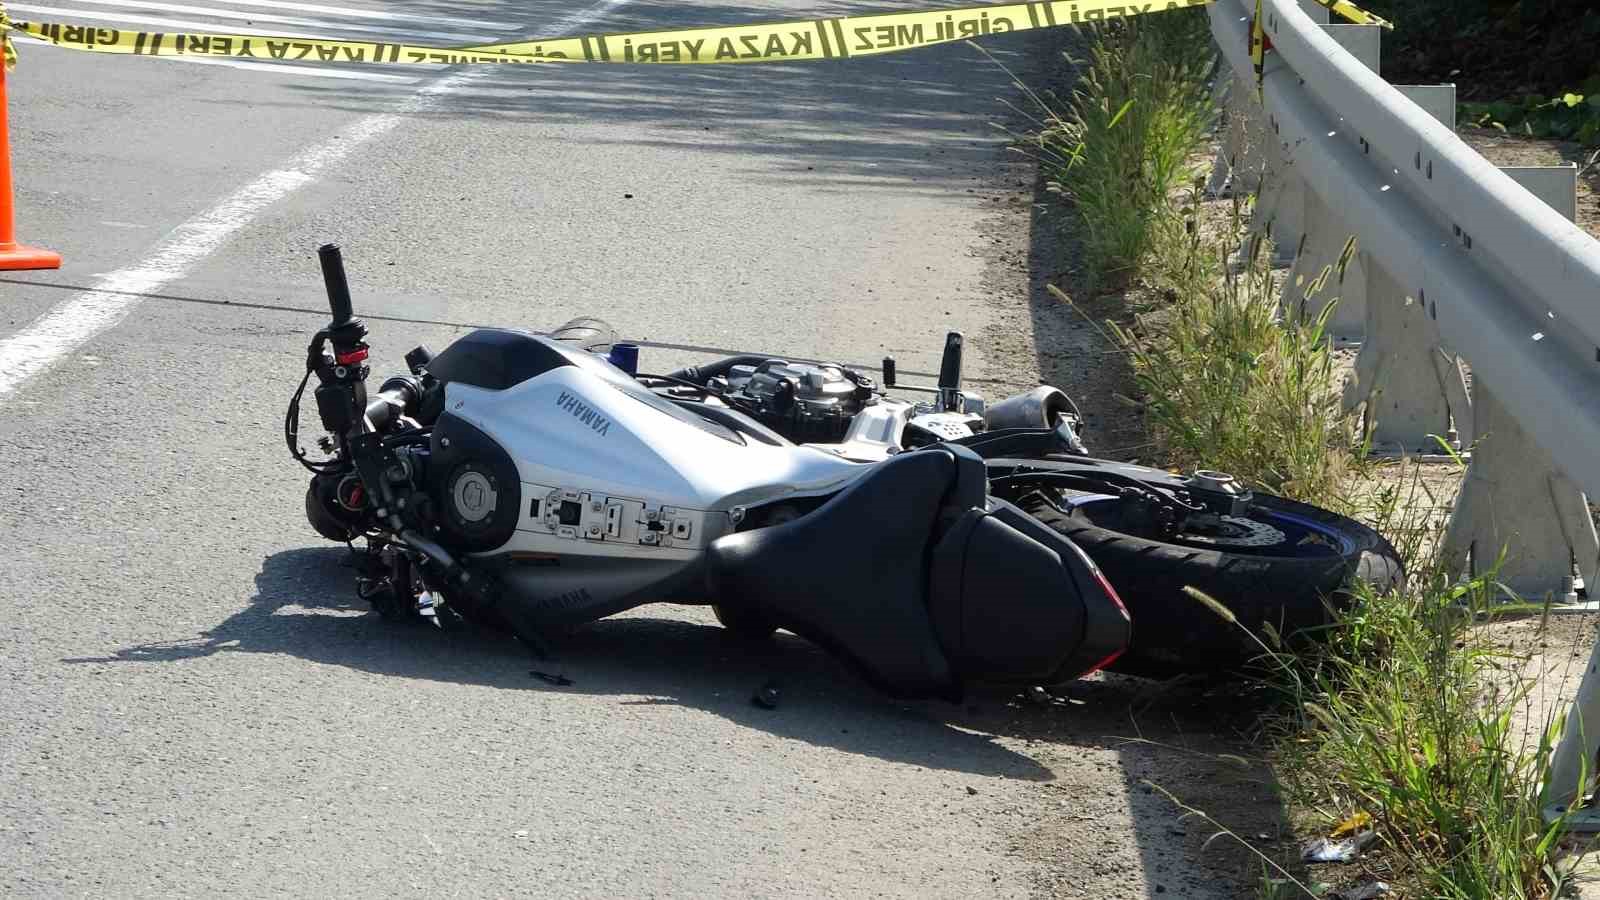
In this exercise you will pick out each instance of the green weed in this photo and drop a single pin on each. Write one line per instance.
(1405, 713)
(1403, 709)
(1124, 141)
(1230, 383)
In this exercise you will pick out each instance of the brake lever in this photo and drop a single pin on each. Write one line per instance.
(317, 351)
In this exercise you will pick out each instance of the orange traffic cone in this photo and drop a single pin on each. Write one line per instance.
(12, 254)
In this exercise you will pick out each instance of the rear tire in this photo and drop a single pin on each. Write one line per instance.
(1175, 634)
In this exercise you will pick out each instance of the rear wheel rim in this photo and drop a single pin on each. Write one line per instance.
(1262, 532)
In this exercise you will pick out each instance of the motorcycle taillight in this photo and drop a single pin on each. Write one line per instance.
(1112, 593)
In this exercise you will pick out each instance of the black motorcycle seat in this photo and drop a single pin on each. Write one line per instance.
(872, 539)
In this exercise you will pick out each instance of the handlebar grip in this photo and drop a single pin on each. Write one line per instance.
(399, 396)
(338, 287)
(388, 404)
(381, 409)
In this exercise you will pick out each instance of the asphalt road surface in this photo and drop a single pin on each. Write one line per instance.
(194, 702)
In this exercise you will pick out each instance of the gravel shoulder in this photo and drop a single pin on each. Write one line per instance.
(1089, 838)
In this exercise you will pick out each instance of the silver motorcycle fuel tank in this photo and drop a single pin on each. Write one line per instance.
(618, 492)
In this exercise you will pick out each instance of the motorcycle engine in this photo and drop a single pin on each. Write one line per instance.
(803, 402)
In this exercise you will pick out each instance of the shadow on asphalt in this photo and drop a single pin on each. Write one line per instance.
(305, 606)
(301, 595)
(909, 122)
(1072, 352)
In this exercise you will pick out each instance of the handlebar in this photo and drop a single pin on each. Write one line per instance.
(338, 287)
(950, 363)
(399, 396)
(382, 408)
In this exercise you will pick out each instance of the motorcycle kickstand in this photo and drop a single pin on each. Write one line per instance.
(541, 653)
(536, 646)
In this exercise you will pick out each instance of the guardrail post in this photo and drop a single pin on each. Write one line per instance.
(1320, 247)
(1238, 166)
(1315, 10)
(1437, 100)
(1364, 42)
(1413, 388)
(1242, 160)
(1572, 763)
(1324, 232)
(1410, 384)
(1514, 498)
(1280, 202)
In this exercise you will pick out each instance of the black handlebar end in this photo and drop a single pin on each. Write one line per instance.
(334, 279)
(950, 364)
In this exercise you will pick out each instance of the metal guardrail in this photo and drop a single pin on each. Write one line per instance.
(1459, 262)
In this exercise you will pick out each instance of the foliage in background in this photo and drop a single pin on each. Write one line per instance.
(1519, 64)
(1121, 145)
(1493, 49)
(1569, 117)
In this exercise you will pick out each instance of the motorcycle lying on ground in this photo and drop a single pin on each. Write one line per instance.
(1274, 563)
(527, 482)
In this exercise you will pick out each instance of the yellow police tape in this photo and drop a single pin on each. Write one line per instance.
(8, 53)
(1354, 14)
(1258, 47)
(838, 38)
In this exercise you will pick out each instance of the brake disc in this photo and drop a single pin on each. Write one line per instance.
(1236, 531)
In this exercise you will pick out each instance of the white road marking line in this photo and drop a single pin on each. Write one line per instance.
(307, 71)
(73, 322)
(217, 12)
(181, 25)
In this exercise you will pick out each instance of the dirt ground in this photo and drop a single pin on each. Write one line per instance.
(1504, 149)
(1065, 344)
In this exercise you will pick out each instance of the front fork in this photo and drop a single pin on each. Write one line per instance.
(399, 585)
(387, 577)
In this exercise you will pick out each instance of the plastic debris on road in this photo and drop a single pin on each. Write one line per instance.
(766, 696)
(1352, 823)
(1327, 850)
